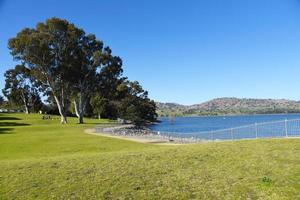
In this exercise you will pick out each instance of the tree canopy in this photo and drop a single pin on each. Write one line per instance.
(68, 66)
(19, 89)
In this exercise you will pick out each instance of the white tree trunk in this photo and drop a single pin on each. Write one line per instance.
(26, 109)
(61, 110)
(82, 105)
(25, 103)
(81, 108)
(76, 108)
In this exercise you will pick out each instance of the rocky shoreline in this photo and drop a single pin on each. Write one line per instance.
(144, 133)
(126, 130)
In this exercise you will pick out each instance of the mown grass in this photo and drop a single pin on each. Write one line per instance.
(41, 159)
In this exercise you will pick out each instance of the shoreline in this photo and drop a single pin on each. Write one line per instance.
(136, 138)
(161, 140)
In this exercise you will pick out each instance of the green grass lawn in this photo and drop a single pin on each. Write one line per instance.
(41, 159)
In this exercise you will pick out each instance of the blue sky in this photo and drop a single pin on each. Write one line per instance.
(183, 51)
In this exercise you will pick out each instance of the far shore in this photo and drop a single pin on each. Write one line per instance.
(232, 115)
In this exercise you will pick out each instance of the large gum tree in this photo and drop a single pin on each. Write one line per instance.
(92, 58)
(50, 51)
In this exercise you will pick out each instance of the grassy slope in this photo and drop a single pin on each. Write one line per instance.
(45, 160)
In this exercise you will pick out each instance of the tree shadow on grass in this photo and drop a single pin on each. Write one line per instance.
(13, 124)
(6, 130)
(8, 118)
(6, 127)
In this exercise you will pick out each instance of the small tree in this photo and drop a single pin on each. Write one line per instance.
(99, 105)
(19, 89)
(136, 106)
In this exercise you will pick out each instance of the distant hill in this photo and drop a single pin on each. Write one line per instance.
(230, 106)
(168, 109)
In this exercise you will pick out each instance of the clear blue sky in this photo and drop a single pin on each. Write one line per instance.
(183, 51)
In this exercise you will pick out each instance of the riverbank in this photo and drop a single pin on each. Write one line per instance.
(142, 134)
(139, 139)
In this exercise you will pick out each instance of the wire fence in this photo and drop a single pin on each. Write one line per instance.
(274, 129)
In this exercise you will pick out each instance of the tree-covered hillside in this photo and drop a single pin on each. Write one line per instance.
(230, 106)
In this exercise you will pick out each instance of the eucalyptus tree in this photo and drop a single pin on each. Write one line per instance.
(66, 63)
(92, 57)
(19, 89)
(96, 66)
(50, 50)
(105, 98)
(135, 104)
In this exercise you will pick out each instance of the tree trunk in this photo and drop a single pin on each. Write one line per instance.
(82, 104)
(99, 116)
(61, 110)
(76, 108)
(25, 103)
(80, 118)
(79, 111)
(26, 109)
(63, 119)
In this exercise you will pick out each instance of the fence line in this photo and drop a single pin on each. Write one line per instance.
(272, 129)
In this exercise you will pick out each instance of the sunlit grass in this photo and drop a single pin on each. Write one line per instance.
(41, 159)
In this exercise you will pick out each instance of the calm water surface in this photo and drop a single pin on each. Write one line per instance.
(198, 124)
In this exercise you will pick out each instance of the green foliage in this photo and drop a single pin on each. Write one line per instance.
(50, 51)
(19, 89)
(126, 100)
(68, 64)
(135, 105)
(100, 105)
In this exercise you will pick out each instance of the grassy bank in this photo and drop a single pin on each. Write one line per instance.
(41, 159)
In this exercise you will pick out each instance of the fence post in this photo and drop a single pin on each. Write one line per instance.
(286, 129)
(256, 131)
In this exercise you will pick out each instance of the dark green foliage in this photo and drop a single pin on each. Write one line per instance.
(136, 106)
(50, 52)
(126, 100)
(1, 100)
(69, 66)
(91, 57)
(100, 105)
(20, 91)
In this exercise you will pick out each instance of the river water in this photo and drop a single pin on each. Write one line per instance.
(184, 125)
